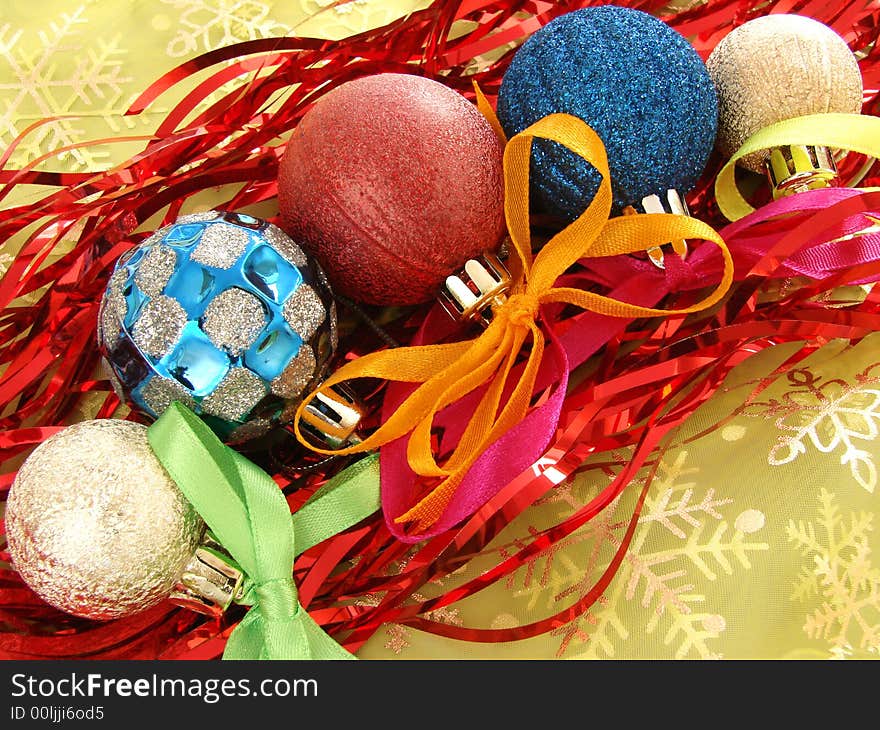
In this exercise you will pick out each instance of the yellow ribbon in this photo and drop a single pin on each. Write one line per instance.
(853, 132)
(485, 108)
(448, 372)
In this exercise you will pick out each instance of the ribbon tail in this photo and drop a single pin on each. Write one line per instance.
(501, 462)
(349, 497)
(485, 108)
(256, 638)
(246, 640)
(287, 639)
(322, 646)
(852, 132)
(299, 638)
(246, 510)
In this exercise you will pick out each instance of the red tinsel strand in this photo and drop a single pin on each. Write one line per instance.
(129, 192)
(796, 330)
(775, 328)
(426, 32)
(396, 612)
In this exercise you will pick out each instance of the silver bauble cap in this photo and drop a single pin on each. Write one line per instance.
(778, 67)
(95, 525)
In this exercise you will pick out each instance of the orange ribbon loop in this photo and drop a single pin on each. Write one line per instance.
(447, 373)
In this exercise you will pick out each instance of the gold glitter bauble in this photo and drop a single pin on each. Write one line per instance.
(95, 525)
(779, 67)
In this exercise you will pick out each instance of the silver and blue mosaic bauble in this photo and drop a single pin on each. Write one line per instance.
(223, 312)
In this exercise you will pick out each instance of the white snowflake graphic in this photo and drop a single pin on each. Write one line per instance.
(832, 415)
(35, 86)
(342, 8)
(840, 571)
(206, 25)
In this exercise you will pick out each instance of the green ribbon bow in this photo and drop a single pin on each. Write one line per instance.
(248, 514)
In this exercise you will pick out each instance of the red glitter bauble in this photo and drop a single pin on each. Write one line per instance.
(392, 182)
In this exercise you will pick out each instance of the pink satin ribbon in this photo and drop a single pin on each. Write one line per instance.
(766, 238)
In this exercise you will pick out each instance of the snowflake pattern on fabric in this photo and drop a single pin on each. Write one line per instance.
(35, 85)
(831, 414)
(838, 569)
(661, 578)
(340, 18)
(81, 63)
(398, 636)
(205, 25)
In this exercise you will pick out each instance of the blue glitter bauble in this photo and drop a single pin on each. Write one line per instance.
(223, 312)
(637, 82)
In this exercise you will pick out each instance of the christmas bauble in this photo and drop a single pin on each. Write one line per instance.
(778, 67)
(95, 525)
(637, 82)
(223, 312)
(392, 181)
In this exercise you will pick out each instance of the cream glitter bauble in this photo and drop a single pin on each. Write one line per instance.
(95, 525)
(779, 67)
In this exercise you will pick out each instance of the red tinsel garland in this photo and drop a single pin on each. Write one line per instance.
(634, 398)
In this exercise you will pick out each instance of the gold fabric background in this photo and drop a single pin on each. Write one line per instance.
(758, 540)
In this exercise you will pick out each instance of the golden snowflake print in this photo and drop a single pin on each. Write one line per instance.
(205, 25)
(838, 571)
(832, 416)
(687, 533)
(60, 69)
(398, 636)
(340, 18)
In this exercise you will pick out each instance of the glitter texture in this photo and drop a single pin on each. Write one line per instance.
(250, 430)
(159, 393)
(235, 396)
(159, 327)
(113, 308)
(297, 375)
(155, 270)
(334, 329)
(208, 215)
(155, 238)
(778, 67)
(233, 320)
(392, 181)
(284, 245)
(304, 311)
(173, 327)
(109, 325)
(95, 525)
(221, 246)
(637, 82)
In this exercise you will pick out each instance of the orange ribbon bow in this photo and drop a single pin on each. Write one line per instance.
(448, 372)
